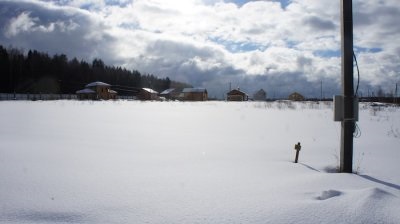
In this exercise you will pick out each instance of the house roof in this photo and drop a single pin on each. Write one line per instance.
(85, 91)
(295, 93)
(194, 90)
(167, 91)
(112, 91)
(149, 90)
(261, 91)
(236, 91)
(97, 84)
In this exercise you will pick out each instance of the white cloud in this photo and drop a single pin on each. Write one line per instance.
(21, 23)
(25, 23)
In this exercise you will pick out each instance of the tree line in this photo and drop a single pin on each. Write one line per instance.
(37, 72)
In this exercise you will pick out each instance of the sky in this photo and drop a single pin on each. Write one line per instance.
(279, 46)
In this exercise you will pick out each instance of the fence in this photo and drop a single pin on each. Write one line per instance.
(28, 96)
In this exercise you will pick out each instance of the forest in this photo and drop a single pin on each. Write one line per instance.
(37, 72)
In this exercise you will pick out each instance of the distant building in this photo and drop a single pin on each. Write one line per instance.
(170, 94)
(260, 95)
(296, 97)
(147, 94)
(237, 95)
(194, 94)
(96, 91)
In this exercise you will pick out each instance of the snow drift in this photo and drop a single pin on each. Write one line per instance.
(210, 162)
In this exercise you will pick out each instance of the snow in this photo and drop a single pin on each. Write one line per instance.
(150, 90)
(193, 162)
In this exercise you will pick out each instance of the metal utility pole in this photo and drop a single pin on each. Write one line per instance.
(321, 90)
(348, 122)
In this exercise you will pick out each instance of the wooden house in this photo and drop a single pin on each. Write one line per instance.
(296, 97)
(147, 94)
(194, 94)
(260, 95)
(96, 91)
(237, 95)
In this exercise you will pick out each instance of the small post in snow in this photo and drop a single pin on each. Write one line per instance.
(297, 147)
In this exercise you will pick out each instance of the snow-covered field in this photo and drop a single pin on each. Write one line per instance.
(211, 162)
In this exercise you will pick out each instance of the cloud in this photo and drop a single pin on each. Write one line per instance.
(279, 45)
(54, 29)
(317, 23)
(21, 23)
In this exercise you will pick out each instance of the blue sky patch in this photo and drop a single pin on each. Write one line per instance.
(235, 47)
(284, 3)
(327, 53)
(367, 50)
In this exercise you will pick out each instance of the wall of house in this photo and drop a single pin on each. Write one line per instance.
(296, 97)
(144, 95)
(260, 96)
(195, 96)
(235, 98)
(102, 92)
(87, 96)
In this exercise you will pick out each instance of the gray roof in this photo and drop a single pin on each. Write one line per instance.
(85, 91)
(167, 91)
(194, 90)
(97, 84)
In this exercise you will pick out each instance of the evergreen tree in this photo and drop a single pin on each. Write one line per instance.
(37, 72)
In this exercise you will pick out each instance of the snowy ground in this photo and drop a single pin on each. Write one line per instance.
(212, 162)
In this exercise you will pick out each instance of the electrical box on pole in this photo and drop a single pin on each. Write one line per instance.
(345, 108)
(338, 113)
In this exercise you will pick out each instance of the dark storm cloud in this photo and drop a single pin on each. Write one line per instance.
(175, 49)
(318, 23)
(384, 16)
(303, 61)
(198, 65)
(53, 29)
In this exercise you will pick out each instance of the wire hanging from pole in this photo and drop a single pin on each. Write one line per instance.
(357, 130)
(358, 75)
